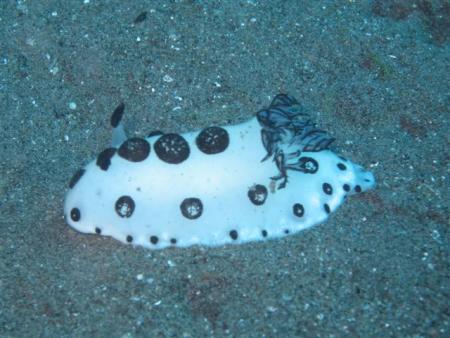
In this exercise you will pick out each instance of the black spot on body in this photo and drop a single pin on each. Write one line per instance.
(327, 188)
(191, 208)
(298, 209)
(346, 187)
(286, 231)
(125, 206)
(358, 188)
(76, 177)
(116, 116)
(257, 194)
(212, 140)
(98, 231)
(341, 166)
(308, 165)
(75, 214)
(129, 239)
(172, 148)
(264, 233)
(134, 149)
(173, 241)
(154, 240)
(104, 158)
(233, 235)
(327, 208)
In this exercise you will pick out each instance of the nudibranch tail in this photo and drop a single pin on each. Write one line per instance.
(271, 176)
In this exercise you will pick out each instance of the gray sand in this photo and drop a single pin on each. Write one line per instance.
(374, 74)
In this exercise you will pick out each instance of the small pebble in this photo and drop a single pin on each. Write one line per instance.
(141, 17)
(167, 78)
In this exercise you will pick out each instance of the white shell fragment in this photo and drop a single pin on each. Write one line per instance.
(265, 178)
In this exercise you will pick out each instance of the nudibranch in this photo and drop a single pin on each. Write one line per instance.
(271, 176)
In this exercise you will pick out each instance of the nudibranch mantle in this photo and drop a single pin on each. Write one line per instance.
(271, 176)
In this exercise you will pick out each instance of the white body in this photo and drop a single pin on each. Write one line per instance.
(222, 182)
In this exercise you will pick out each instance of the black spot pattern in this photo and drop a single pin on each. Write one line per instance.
(346, 187)
(234, 235)
(134, 149)
(75, 214)
(327, 208)
(357, 188)
(154, 239)
(298, 209)
(212, 140)
(76, 177)
(173, 241)
(104, 158)
(286, 231)
(129, 239)
(257, 194)
(125, 206)
(191, 208)
(264, 233)
(172, 148)
(98, 231)
(341, 166)
(308, 165)
(327, 188)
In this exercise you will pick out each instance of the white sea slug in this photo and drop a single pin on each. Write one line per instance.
(265, 178)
